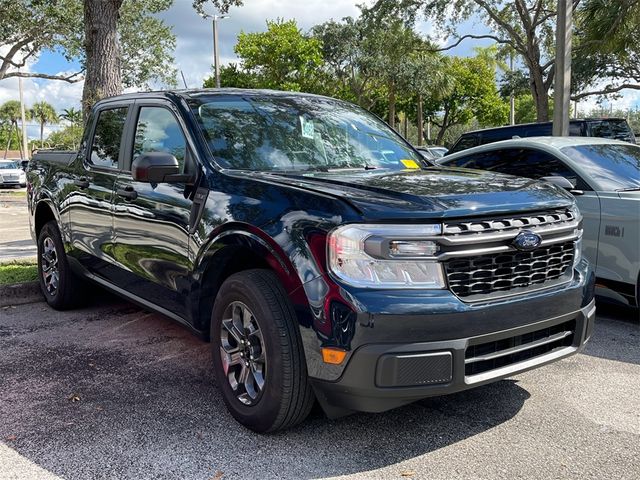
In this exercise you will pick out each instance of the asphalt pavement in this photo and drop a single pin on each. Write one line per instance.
(112, 391)
(15, 239)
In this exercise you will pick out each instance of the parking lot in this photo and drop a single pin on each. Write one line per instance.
(111, 391)
(15, 239)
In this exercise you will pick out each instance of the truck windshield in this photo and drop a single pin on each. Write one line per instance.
(612, 166)
(298, 133)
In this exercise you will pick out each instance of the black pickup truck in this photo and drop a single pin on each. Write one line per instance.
(314, 247)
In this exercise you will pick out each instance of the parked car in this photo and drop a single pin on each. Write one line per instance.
(603, 175)
(432, 151)
(314, 248)
(11, 174)
(614, 128)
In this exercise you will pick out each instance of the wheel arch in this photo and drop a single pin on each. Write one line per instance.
(44, 213)
(232, 251)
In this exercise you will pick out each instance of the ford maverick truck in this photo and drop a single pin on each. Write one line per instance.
(314, 247)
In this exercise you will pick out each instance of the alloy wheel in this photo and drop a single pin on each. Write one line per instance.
(243, 353)
(50, 272)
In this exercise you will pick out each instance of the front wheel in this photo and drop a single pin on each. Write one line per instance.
(60, 286)
(258, 358)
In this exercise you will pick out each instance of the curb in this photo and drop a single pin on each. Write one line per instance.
(20, 293)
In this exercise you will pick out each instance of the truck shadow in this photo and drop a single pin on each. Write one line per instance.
(114, 391)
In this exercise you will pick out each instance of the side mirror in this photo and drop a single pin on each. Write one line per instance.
(155, 167)
(563, 183)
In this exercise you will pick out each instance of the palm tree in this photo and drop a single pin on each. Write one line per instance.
(10, 114)
(72, 115)
(43, 113)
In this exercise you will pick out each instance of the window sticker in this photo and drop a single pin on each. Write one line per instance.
(410, 163)
(306, 126)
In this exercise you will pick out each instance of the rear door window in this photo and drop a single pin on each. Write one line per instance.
(107, 137)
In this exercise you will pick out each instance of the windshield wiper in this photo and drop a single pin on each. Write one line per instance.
(631, 189)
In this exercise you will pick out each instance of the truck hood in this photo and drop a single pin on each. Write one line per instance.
(431, 192)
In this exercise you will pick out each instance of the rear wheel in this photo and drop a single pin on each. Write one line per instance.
(60, 286)
(257, 353)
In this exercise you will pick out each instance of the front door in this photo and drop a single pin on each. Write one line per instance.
(151, 221)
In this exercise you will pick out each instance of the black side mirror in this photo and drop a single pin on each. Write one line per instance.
(562, 183)
(156, 167)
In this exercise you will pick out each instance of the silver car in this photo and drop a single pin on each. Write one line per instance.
(603, 175)
(12, 174)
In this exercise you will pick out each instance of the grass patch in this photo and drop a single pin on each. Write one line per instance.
(13, 193)
(18, 271)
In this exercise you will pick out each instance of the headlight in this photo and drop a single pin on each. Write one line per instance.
(386, 256)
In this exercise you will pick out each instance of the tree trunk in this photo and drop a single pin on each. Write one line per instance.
(406, 126)
(540, 93)
(41, 135)
(6, 150)
(392, 105)
(420, 121)
(443, 128)
(103, 77)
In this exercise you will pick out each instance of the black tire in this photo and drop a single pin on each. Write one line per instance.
(286, 397)
(68, 289)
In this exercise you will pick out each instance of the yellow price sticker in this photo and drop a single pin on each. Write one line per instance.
(410, 163)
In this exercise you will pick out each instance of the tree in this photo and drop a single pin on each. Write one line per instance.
(525, 26)
(30, 26)
(43, 113)
(388, 46)
(10, 115)
(473, 94)
(72, 115)
(606, 59)
(280, 58)
(426, 76)
(66, 139)
(347, 60)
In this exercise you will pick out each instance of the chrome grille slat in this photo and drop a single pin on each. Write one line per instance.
(524, 221)
(520, 348)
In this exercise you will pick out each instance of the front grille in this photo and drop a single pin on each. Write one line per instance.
(489, 356)
(501, 272)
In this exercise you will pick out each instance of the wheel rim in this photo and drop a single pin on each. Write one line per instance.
(242, 352)
(50, 273)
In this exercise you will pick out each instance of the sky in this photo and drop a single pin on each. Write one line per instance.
(194, 47)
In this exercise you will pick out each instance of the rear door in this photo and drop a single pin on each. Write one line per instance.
(151, 221)
(89, 203)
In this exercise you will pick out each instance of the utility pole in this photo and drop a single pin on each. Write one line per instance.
(25, 143)
(512, 97)
(562, 87)
(216, 55)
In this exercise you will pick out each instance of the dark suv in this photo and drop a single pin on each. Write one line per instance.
(314, 247)
(615, 128)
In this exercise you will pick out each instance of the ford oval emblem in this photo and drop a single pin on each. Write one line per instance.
(527, 241)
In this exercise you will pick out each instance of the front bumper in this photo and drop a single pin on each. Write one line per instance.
(383, 376)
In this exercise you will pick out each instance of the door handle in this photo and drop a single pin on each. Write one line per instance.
(128, 192)
(81, 183)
